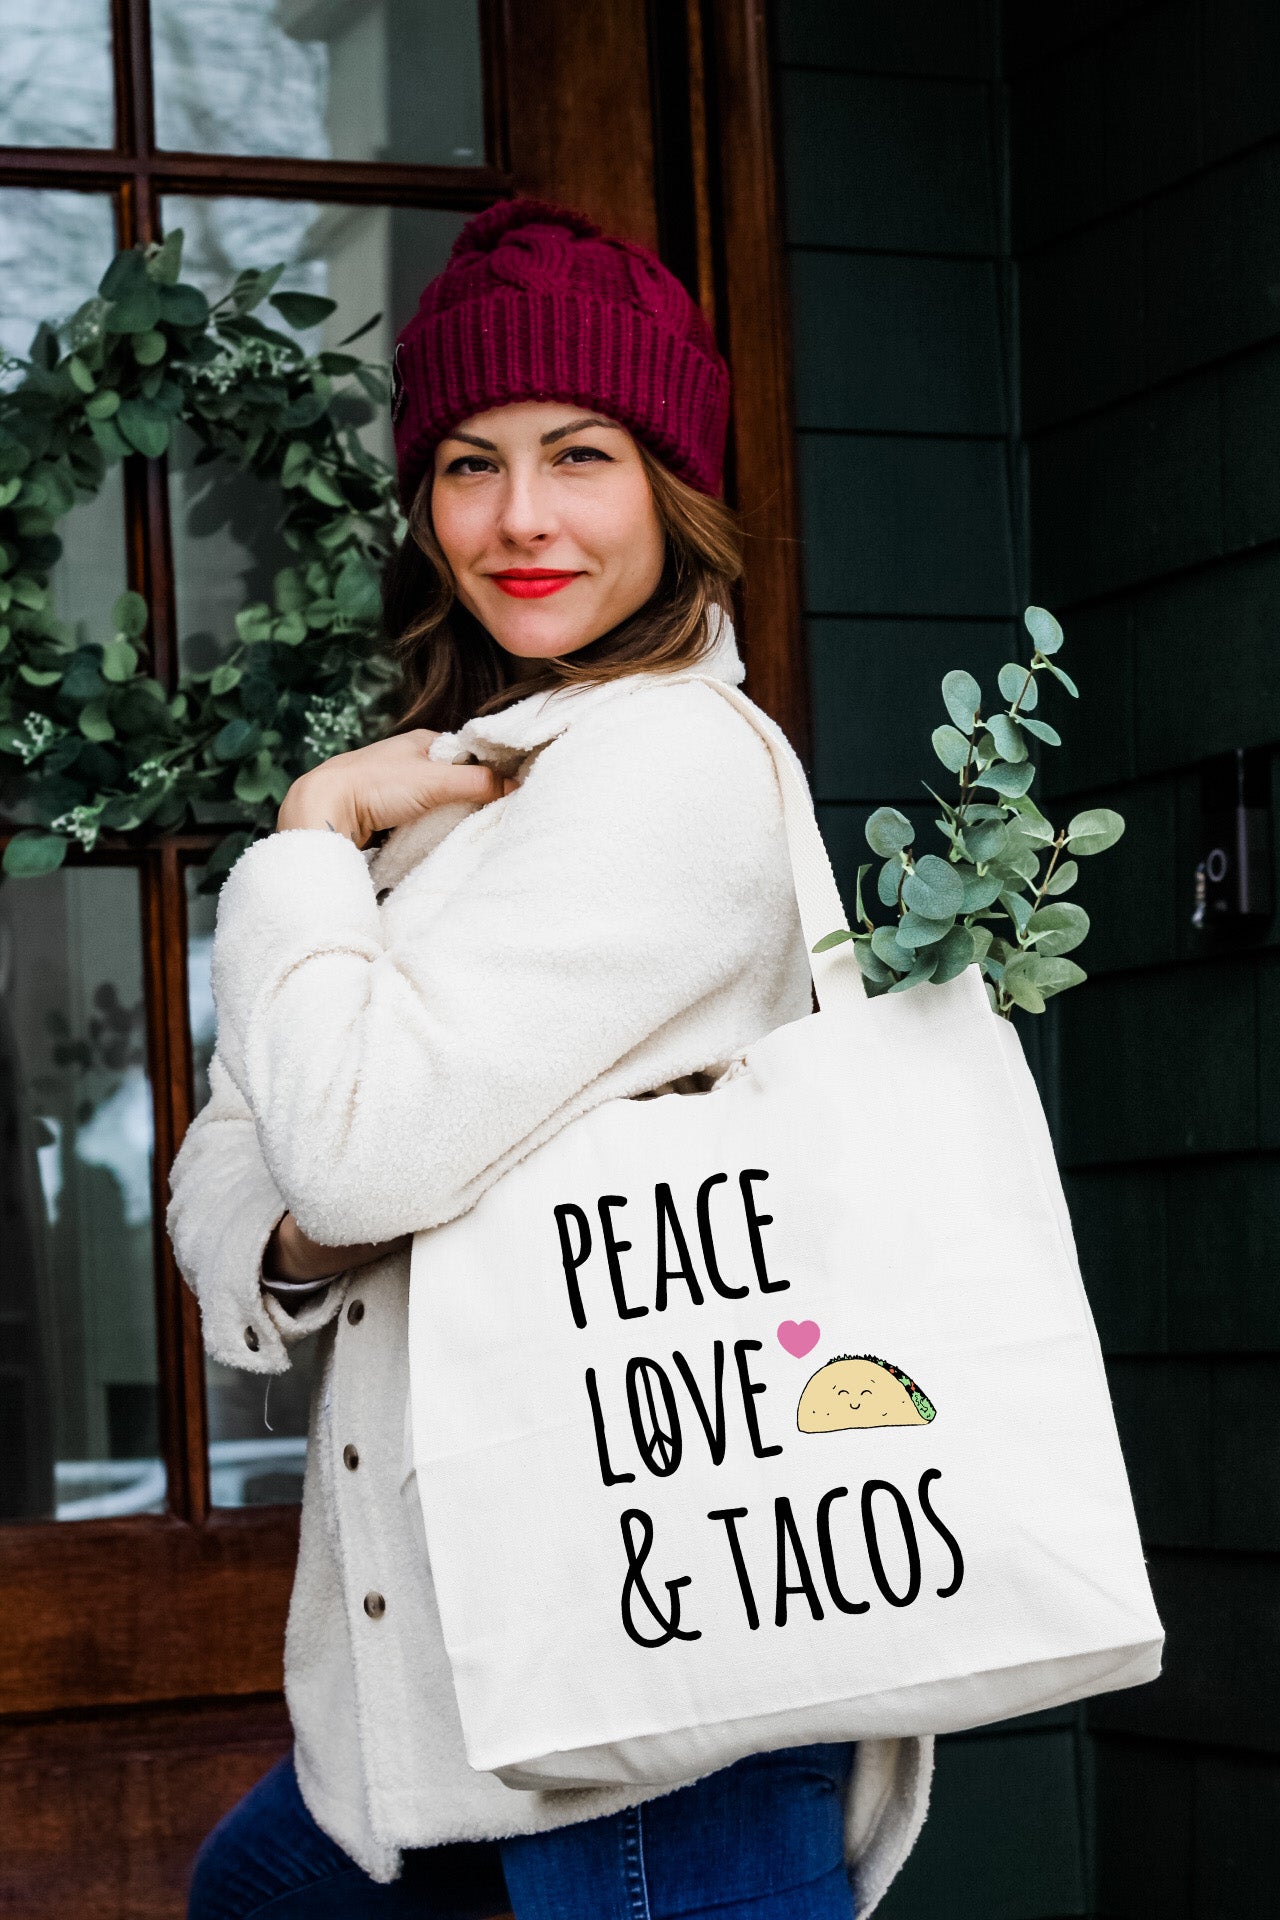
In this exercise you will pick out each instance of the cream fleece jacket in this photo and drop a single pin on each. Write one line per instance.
(396, 1028)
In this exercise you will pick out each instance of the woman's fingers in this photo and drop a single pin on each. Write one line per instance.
(467, 783)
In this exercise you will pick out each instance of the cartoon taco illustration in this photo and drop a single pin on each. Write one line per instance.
(861, 1390)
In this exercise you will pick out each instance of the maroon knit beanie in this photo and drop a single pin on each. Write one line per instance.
(537, 303)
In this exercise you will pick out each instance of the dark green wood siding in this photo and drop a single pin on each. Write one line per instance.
(1035, 270)
(1146, 230)
(894, 149)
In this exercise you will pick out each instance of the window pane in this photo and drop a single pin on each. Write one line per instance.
(324, 79)
(55, 247)
(226, 544)
(79, 1395)
(257, 1432)
(55, 73)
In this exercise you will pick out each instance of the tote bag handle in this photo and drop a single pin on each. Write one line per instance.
(837, 979)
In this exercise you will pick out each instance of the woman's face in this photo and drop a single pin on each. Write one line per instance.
(544, 513)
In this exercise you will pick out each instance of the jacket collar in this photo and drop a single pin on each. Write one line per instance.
(505, 739)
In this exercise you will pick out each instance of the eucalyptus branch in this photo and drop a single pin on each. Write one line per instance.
(949, 910)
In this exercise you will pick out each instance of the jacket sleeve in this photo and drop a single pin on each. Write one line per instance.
(390, 1062)
(223, 1205)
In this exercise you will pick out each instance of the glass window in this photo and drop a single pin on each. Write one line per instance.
(79, 1396)
(395, 80)
(225, 524)
(55, 247)
(257, 1431)
(55, 73)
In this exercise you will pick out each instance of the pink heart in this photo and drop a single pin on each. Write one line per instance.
(799, 1336)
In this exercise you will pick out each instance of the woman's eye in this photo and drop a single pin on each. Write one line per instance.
(470, 463)
(580, 456)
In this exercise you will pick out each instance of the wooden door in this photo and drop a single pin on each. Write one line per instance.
(141, 1630)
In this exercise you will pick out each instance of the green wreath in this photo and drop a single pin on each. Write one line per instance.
(94, 740)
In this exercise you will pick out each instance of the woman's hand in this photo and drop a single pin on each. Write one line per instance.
(385, 784)
(290, 1255)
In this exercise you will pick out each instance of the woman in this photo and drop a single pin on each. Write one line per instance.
(584, 895)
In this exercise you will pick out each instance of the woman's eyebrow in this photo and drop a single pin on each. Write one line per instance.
(472, 440)
(576, 426)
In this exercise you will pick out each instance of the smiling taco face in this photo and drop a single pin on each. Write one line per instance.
(859, 1390)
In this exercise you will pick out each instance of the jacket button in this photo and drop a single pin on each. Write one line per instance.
(251, 1339)
(374, 1605)
(350, 1458)
(355, 1312)
(381, 895)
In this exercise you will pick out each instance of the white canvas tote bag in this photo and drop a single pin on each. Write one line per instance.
(775, 1414)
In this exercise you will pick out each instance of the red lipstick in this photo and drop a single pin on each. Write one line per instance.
(532, 583)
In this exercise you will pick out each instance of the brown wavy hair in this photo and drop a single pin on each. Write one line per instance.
(451, 665)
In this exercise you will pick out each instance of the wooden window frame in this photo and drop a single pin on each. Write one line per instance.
(190, 1605)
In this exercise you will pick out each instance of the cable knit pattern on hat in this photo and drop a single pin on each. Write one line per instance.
(537, 303)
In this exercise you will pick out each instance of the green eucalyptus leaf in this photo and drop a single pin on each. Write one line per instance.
(33, 852)
(1010, 744)
(145, 426)
(95, 722)
(915, 931)
(886, 949)
(236, 739)
(1011, 781)
(81, 378)
(254, 623)
(962, 697)
(164, 263)
(951, 747)
(356, 591)
(1017, 683)
(1064, 677)
(102, 405)
(1056, 976)
(150, 348)
(1030, 824)
(183, 306)
(981, 937)
(860, 911)
(925, 967)
(134, 312)
(987, 841)
(118, 659)
(39, 676)
(1094, 831)
(871, 968)
(1058, 928)
(224, 678)
(934, 890)
(1018, 983)
(888, 881)
(1042, 731)
(129, 615)
(888, 831)
(1018, 908)
(126, 274)
(1043, 628)
(1063, 878)
(109, 439)
(303, 310)
(955, 953)
(982, 891)
(322, 488)
(830, 940)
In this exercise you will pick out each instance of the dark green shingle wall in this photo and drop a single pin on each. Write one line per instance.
(1100, 179)
(1146, 228)
(894, 168)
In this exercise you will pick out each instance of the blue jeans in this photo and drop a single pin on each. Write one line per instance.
(761, 1840)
